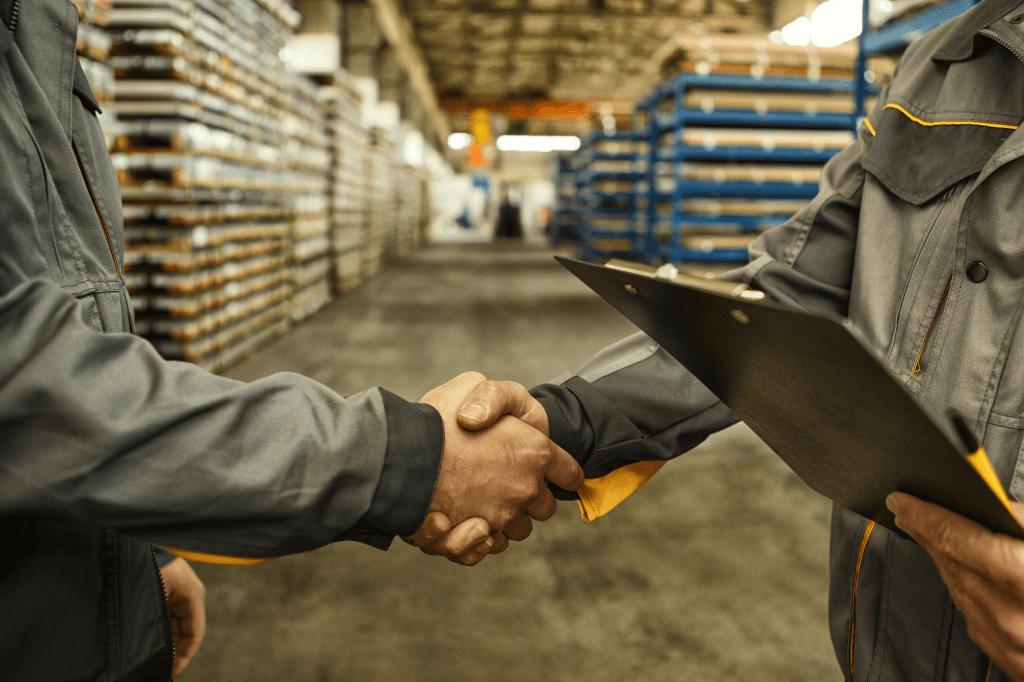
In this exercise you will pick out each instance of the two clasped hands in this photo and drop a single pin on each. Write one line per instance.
(495, 468)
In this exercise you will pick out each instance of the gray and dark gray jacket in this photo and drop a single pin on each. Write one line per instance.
(917, 235)
(105, 447)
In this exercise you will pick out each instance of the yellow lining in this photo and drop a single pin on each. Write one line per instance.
(856, 579)
(915, 119)
(871, 128)
(598, 496)
(220, 559)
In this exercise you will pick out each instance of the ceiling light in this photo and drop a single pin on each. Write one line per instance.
(458, 141)
(538, 143)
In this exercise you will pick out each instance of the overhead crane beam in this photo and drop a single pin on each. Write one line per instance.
(399, 33)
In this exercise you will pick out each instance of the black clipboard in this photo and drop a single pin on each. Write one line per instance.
(809, 387)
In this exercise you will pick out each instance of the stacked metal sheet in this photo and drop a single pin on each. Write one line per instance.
(348, 188)
(411, 219)
(310, 205)
(222, 158)
(381, 226)
(93, 50)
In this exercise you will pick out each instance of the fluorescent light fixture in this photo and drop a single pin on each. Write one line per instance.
(538, 143)
(458, 141)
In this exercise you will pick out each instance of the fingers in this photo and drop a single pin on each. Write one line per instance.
(544, 507)
(564, 471)
(518, 528)
(185, 600)
(465, 537)
(489, 400)
(434, 526)
(938, 529)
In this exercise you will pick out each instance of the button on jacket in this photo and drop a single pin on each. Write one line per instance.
(105, 447)
(917, 235)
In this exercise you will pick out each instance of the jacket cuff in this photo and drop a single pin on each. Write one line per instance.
(567, 426)
(412, 462)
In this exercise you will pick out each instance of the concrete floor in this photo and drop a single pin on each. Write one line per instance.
(716, 570)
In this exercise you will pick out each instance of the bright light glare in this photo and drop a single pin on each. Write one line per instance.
(797, 32)
(836, 21)
(459, 141)
(538, 143)
(832, 23)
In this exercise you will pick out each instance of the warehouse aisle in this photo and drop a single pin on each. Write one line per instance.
(716, 570)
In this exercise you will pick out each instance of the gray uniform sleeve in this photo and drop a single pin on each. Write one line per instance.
(633, 401)
(97, 426)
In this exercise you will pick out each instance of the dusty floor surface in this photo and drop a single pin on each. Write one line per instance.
(716, 570)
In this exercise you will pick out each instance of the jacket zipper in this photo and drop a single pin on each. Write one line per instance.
(99, 214)
(856, 581)
(14, 16)
(167, 612)
(1015, 49)
(928, 334)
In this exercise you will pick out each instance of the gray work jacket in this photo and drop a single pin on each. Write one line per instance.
(917, 235)
(105, 447)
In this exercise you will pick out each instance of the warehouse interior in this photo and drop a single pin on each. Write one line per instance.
(371, 193)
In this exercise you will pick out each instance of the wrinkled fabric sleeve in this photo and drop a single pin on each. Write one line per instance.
(99, 427)
(633, 401)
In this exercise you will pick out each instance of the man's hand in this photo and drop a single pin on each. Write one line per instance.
(185, 597)
(494, 478)
(983, 570)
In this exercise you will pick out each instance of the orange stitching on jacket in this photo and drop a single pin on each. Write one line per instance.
(871, 128)
(856, 579)
(928, 334)
(915, 119)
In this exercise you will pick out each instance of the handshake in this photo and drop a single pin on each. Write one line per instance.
(494, 470)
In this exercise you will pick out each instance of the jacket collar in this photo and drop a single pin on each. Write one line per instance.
(958, 44)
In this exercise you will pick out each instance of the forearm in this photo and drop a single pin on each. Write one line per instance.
(98, 426)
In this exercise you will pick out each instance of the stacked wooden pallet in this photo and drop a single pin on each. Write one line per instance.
(750, 56)
(222, 158)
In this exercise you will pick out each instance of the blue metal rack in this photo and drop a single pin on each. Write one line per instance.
(565, 219)
(610, 224)
(666, 114)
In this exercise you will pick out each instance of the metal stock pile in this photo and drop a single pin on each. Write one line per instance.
(222, 157)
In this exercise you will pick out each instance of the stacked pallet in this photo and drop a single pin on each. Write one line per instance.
(348, 188)
(221, 156)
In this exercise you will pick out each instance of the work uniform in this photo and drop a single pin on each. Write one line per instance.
(917, 236)
(105, 447)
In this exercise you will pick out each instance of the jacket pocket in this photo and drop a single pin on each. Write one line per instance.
(917, 159)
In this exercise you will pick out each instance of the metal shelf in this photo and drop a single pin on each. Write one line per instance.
(786, 154)
(692, 189)
(899, 33)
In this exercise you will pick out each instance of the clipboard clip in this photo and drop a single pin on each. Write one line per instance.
(670, 273)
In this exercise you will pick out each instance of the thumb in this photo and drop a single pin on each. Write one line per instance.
(490, 400)
(564, 471)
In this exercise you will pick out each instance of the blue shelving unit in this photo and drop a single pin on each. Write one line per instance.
(565, 219)
(896, 35)
(610, 220)
(667, 114)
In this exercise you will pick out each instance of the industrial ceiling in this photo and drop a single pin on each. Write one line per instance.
(582, 50)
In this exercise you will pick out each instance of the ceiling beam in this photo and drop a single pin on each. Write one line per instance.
(399, 32)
